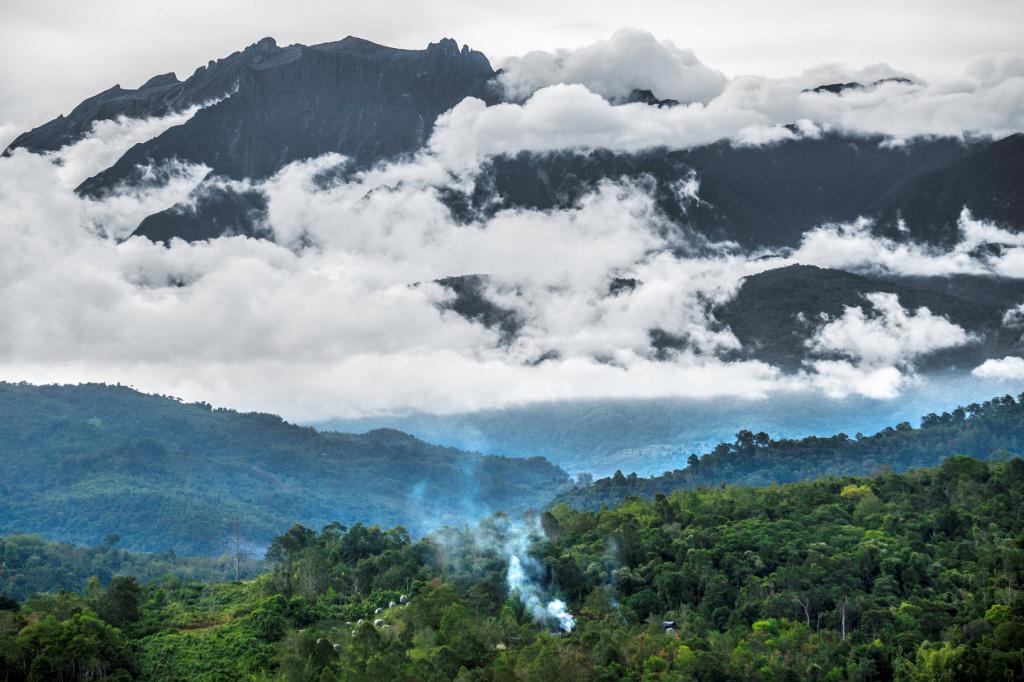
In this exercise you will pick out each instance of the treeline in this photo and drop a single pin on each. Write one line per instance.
(168, 475)
(990, 430)
(914, 576)
(29, 564)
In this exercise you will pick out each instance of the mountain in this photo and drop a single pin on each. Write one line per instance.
(987, 431)
(771, 195)
(775, 312)
(352, 97)
(269, 105)
(281, 104)
(32, 565)
(80, 462)
(159, 96)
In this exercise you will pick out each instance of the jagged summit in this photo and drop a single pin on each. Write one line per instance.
(838, 88)
(268, 105)
(371, 100)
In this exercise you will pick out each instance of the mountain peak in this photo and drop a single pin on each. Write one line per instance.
(161, 80)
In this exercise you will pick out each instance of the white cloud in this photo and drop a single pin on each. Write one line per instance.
(877, 347)
(108, 140)
(988, 100)
(1010, 367)
(840, 378)
(889, 335)
(324, 323)
(853, 246)
(628, 60)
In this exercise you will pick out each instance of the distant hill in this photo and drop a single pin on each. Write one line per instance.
(80, 462)
(990, 430)
(775, 312)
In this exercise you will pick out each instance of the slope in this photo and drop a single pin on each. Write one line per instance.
(79, 462)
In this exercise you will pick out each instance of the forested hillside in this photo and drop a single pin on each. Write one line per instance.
(990, 430)
(29, 564)
(80, 462)
(913, 576)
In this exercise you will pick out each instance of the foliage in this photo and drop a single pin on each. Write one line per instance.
(29, 564)
(193, 479)
(990, 430)
(914, 576)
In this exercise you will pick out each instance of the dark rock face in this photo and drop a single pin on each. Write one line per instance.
(214, 212)
(647, 97)
(770, 195)
(837, 88)
(470, 301)
(159, 96)
(353, 97)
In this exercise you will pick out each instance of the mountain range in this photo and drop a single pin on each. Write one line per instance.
(268, 105)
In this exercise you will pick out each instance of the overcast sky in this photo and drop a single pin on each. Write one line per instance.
(55, 53)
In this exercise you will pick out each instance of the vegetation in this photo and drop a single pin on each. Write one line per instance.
(990, 430)
(193, 479)
(28, 565)
(914, 576)
(775, 312)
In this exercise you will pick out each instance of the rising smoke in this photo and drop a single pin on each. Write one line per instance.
(524, 575)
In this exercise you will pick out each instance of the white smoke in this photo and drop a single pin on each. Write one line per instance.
(523, 581)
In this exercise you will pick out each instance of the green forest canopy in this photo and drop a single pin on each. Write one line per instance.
(167, 475)
(990, 430)
(913, 576)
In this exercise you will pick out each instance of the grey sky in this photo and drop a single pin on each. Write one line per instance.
(54, 54)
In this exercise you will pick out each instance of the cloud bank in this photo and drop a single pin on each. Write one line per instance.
(338, 316)
(571, 110)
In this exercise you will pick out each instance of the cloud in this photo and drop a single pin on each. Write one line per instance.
(874, 346)
(1010, 367)
(108, 140)
(840, 378)
(324, 322)
(988, 100)
(853, 246)
(614, 67)
(890, 335)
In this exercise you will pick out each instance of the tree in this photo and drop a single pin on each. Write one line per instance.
(118, 604)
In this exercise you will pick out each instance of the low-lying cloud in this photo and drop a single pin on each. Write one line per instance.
(613, 68)
(338, 315)
(876, 345)
(887, 335)
(571, 110)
